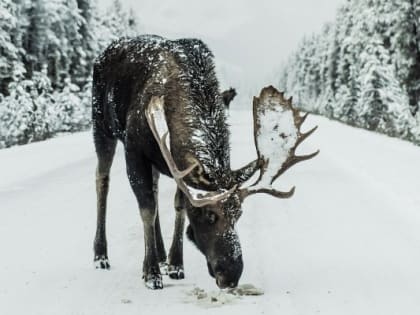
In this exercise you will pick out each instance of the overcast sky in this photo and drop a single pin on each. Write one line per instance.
(250, 39)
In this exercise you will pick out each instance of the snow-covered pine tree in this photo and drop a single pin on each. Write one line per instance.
(25, 114)
(116, 23)
(35, 39)
(374, 78)
(353, 40)
(9, 54)
(68, 108)
(403, 21)
(47, 53)
(64, 40)
(313, 72)
(382, 99)
(16, 114)
(87, 45)
(322, 48)
(368, 64)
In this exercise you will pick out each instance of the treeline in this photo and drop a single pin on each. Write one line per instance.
(47, 50)
(363, 69)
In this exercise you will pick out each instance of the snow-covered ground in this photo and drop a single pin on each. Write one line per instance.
(348, 242)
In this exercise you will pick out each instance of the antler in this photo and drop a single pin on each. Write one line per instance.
(277, 135)
(155, 115)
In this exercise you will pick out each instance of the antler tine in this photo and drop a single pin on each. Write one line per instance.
(305, 135)
(276, 193)
(198, 198)
(300, 158)
(302, 119)
(296, 159)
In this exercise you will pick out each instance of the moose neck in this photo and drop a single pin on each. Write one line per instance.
(198, 130)
(195, 113)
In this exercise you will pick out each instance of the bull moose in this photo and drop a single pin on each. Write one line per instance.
(161, 99)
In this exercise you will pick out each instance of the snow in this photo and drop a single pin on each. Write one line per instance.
(348, 242)
(360, 69)
(221, 297)
(229, 26)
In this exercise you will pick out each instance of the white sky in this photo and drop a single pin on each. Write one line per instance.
(250, 39)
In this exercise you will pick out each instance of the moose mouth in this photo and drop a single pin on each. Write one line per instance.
(220, 279)
(223, 285)
(227, 278)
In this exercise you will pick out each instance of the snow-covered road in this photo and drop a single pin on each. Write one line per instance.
(348, 242)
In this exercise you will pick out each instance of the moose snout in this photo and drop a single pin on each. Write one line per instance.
(227, 272)
(222, 283)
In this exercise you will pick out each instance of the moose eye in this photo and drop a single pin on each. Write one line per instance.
(211, 217)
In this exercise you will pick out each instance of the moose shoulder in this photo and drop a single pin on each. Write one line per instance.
(161, 99)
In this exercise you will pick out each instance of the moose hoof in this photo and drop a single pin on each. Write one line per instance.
(153, 282)
(101, 262)
(163, 266)
(176, 272)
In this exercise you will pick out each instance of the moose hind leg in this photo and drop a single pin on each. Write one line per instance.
(141, 180)
(105, 149)
(176, 260)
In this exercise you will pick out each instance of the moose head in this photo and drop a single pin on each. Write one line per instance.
(213, 214)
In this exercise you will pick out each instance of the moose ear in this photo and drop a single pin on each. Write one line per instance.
(228, 96)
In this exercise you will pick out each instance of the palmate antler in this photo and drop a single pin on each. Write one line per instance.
(277, 135)
(155, 115)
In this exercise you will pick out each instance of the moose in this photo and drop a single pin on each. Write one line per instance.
(161, 99)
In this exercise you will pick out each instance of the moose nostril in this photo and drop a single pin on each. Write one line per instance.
(221, 283)
(219, 269)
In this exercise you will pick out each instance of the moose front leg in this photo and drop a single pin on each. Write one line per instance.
(141, 179)
(160, 246)
(176, 260)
